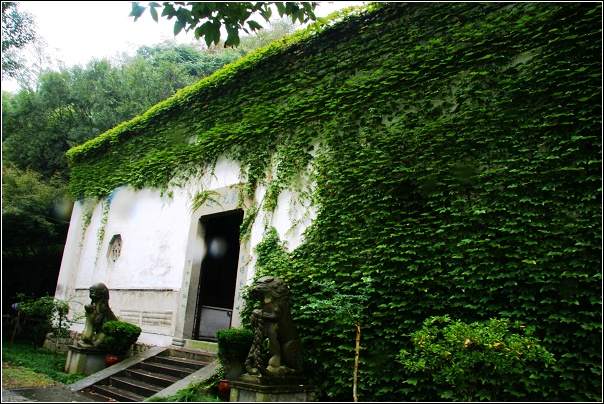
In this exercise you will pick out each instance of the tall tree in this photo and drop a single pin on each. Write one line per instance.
(71, 106)
(274, 31)
(18, 30)
(35, 125)
(198, 61)
(35, 219)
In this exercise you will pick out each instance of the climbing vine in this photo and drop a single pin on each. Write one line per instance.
(87, 211)
(456, 159)
(100, 236)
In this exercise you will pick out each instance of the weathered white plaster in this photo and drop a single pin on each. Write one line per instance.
(71, 255)
(291, 218)
(151, 227)
(87, 273)
(154, 281)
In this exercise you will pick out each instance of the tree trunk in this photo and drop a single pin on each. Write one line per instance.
(356, 363)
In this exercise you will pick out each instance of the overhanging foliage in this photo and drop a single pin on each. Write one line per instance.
(459, 167)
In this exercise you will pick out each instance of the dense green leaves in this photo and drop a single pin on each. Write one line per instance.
(120, 336)
(491, 360)
(35, 219)
(42, 316)
(233, 348)
(205, 19)
(456, 153)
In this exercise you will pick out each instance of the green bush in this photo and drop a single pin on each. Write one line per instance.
(233, 347)
(120, 336)
(492, 360)
(41, 316)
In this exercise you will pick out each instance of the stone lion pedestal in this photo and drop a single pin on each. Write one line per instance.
(88, 356)
(84, 360)
(255, 389)
(273, 374)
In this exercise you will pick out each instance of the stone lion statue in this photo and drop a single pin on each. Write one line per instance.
(98, 313)
(273, 321)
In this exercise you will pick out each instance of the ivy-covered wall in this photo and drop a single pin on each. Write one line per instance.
(458, 165)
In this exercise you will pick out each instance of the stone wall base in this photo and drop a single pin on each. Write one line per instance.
(60, 345)
(252, 392)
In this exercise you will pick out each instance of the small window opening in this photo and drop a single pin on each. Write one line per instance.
(115, 248)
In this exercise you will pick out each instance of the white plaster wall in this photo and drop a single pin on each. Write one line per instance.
(294, 212)
(87, 266)
(147, 278)
(225, 173)
(291, 219)
(153, 231)
(71, 255)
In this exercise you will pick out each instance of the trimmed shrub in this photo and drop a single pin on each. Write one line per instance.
(233, 347)
(120, 336)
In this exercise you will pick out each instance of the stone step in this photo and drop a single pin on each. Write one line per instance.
(135, 386)
(195, 354)
(180, 362)
(196, 346)
(116, 394)
(151, 375)
(170, 370)
(157, 379)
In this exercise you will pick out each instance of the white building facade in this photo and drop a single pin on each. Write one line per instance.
(178, 274)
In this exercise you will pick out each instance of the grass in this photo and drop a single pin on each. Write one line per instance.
(15, 377)
(22, 359)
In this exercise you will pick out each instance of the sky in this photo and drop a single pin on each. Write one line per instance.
(77, 32)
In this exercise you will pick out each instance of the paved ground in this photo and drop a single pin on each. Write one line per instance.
(51, 394)
(8, 396)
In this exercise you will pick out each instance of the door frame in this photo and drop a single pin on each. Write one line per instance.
(201, 303)
(227, 199)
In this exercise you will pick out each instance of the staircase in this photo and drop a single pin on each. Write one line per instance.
(149, 376)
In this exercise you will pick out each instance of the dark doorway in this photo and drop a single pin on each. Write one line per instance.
(218, 274)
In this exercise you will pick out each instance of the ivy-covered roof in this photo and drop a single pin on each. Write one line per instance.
(218, 114)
